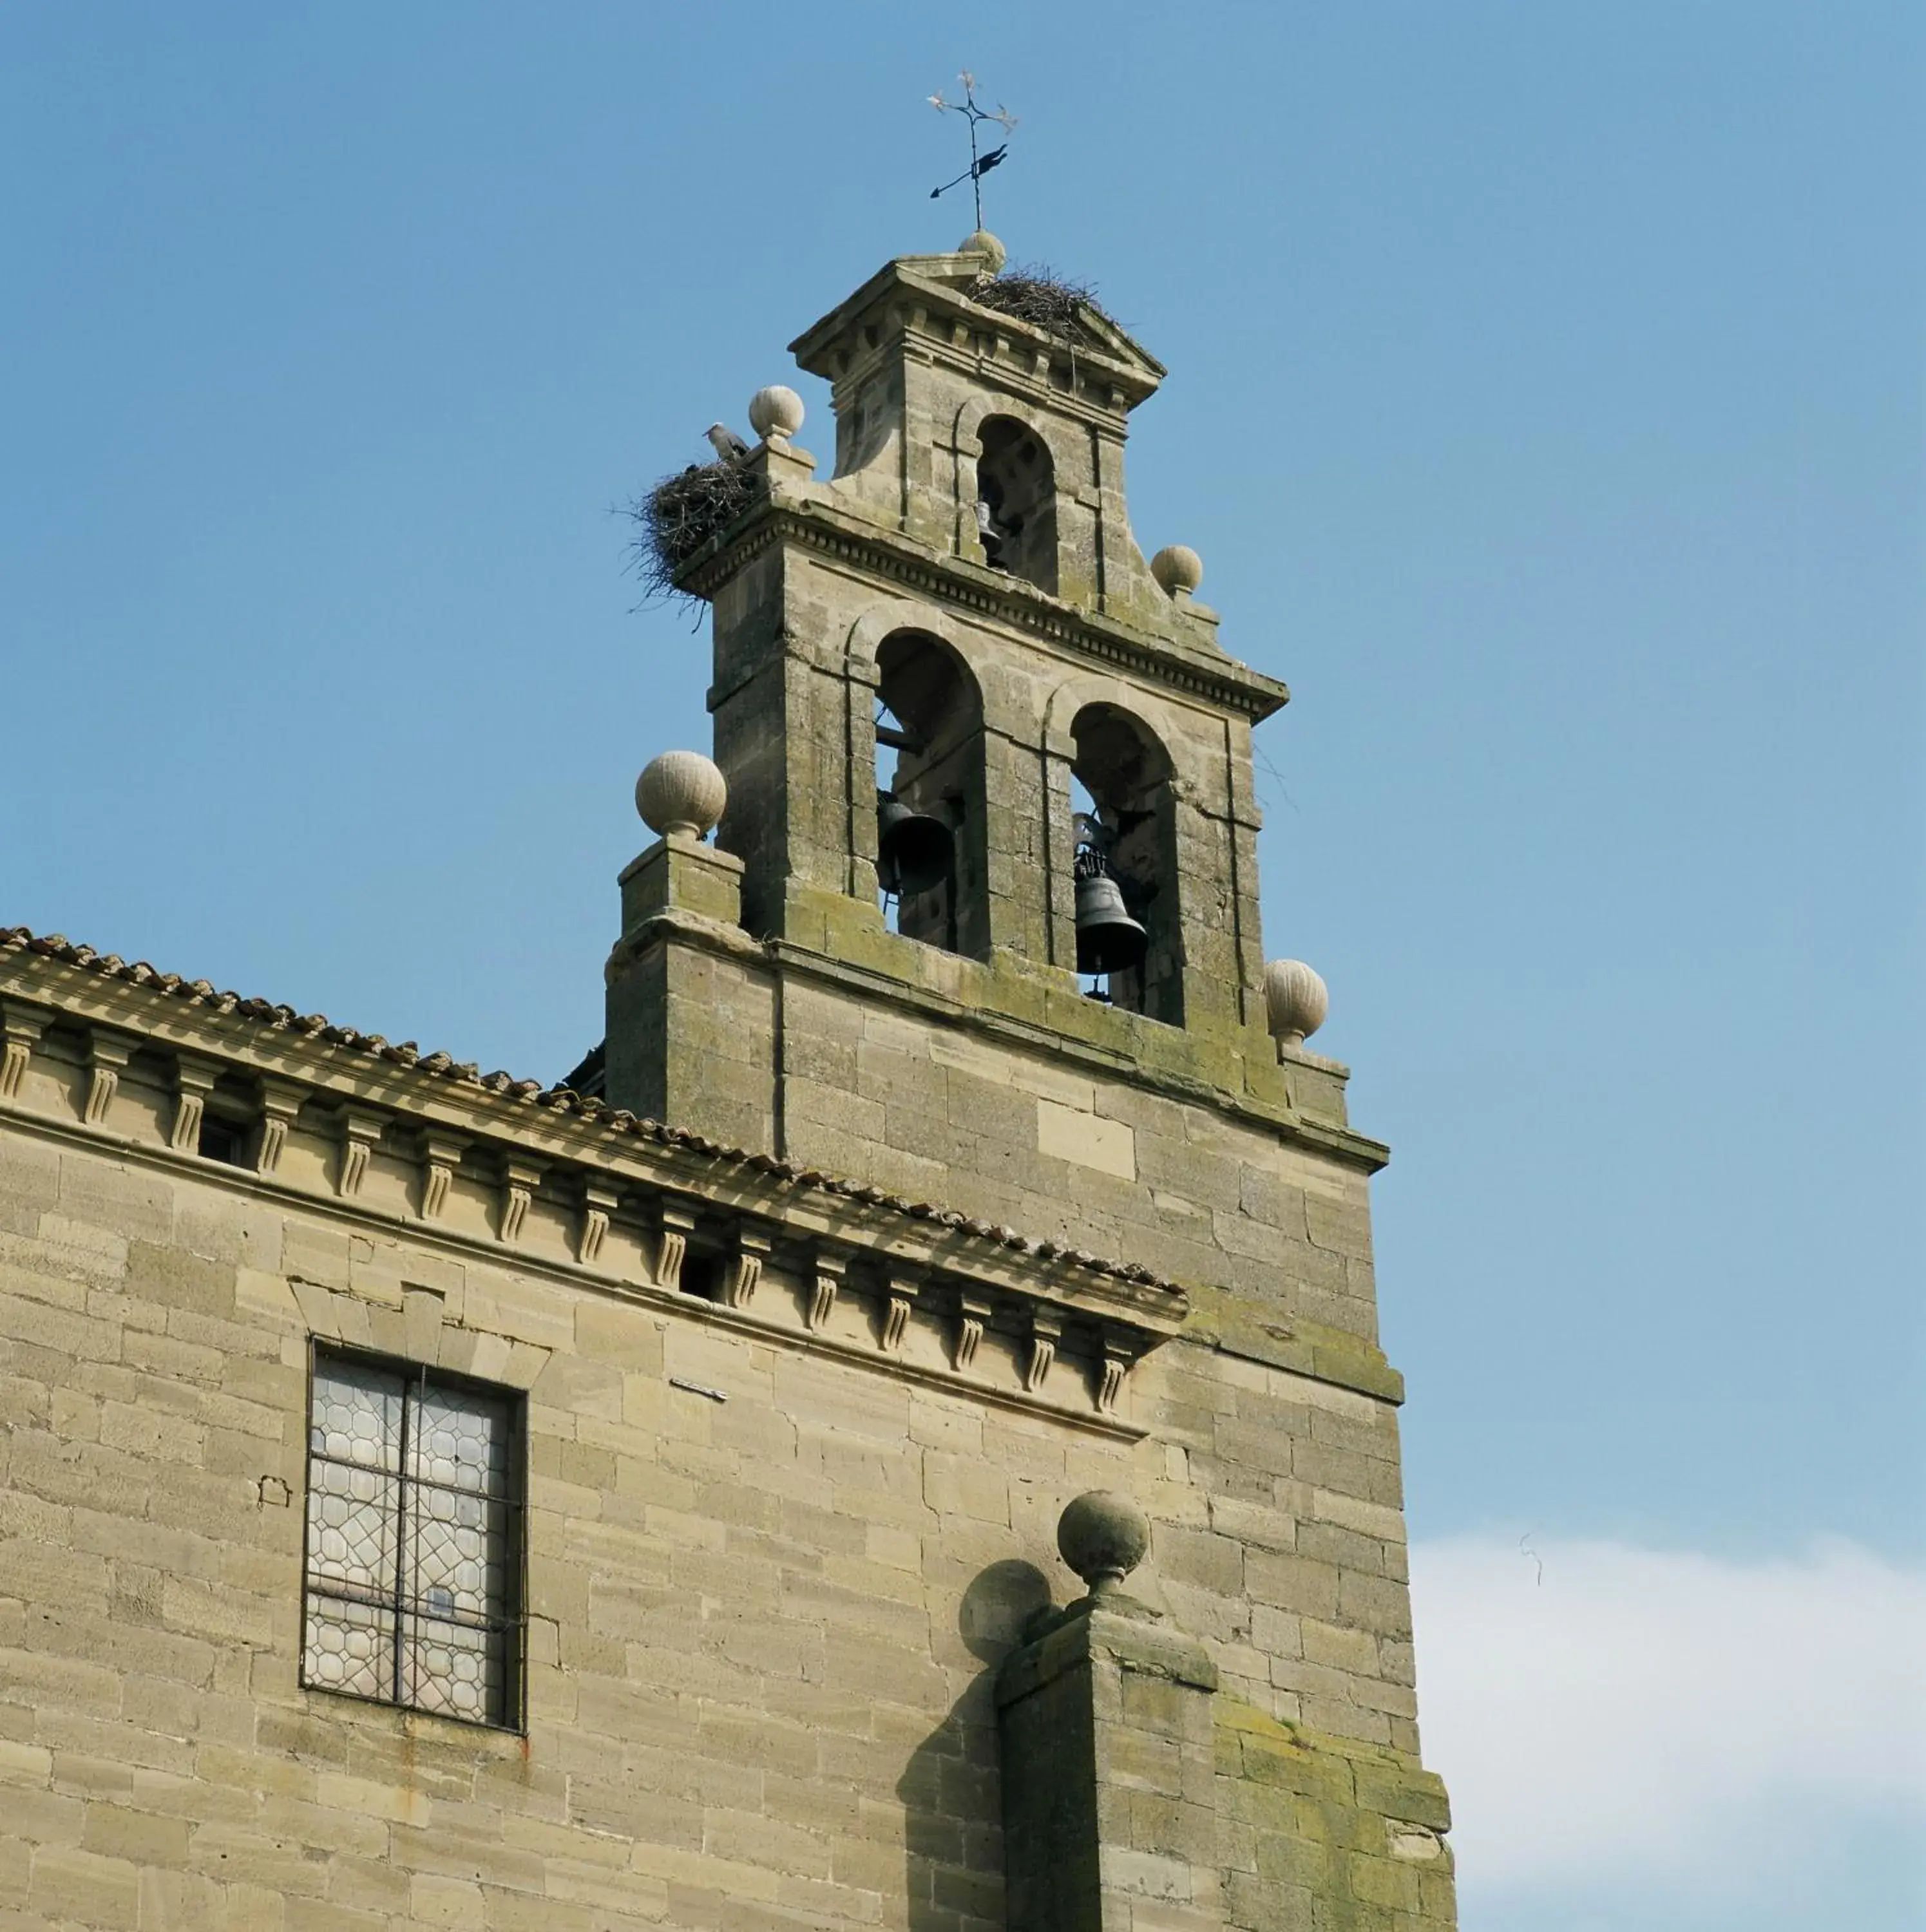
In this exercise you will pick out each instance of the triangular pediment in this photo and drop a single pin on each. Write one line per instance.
(953, 285)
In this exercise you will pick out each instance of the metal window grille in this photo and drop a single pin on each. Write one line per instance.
(412, 1589)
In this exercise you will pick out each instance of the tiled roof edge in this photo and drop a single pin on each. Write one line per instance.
(559, 1100)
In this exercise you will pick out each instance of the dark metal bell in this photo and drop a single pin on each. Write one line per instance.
(1108, 939)
(914, 851)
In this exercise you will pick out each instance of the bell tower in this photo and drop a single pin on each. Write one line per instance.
(955, 638)
(969, 571)
(979, 930)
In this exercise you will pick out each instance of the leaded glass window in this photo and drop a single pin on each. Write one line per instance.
(414, 1539)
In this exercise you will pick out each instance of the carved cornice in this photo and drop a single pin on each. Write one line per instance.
(981, 592)
(939, 285)
(554, 1143)
(660, 1289)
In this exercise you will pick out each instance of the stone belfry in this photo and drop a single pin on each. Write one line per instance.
(947, 669)
(969, 575)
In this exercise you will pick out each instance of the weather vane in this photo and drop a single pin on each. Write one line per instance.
(980, 164)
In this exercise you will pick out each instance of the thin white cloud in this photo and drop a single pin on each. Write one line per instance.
(1672, 1716)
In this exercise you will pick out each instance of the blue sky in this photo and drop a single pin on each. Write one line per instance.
(1545, 406)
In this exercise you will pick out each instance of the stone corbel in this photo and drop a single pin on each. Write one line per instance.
(20, 1029)
(194, 1081)
(520, 1180)
(599, 1204)
(742, 1273)
(360, 1135)
(672, 1245)
(827, 1267)
(1120, 1352)
(900, 1289)
(107, 1056)
(281, 1102)
(1046, 1331)
(441, 1158)
(973, 1313)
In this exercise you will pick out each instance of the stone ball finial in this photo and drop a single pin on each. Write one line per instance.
(983, 243)
(776, 414)
(1178, 569)
(1103, 1536)
(681, 791)
(1295, 1000)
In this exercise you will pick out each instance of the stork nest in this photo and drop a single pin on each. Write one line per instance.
(675, 519)
(1042, 298)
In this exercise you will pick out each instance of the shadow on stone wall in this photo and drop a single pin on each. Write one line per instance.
(950, 1789)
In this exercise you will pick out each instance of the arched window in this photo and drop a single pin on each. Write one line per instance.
(1016, 502)
(1133, 841)
(929, 767)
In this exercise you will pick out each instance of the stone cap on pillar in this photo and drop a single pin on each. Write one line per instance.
(1102, 1535)
(682, 795)
(1124, 1636)
(680, 873)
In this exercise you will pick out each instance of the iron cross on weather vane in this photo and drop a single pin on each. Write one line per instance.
(980, 164)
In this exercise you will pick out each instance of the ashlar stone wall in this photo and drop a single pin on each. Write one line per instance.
(758, 1625)
(1015, 1131)
(773, 1566)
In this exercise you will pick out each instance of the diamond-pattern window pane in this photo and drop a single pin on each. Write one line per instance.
(451, 1667)
(413, 1537)
(357, 1416)
(353, 1524)
(349, 1647)
(463, 1445)
(458, 1552)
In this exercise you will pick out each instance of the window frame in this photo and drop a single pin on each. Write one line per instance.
(224, 1137)
(511, 1619)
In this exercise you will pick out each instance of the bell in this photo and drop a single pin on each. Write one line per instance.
(914, 851)
(1108, 939)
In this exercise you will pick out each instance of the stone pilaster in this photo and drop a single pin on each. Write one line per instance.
(691, 1006)
(1108, 1738)
(1108, 1787)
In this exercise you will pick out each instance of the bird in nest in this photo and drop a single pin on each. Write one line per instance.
(725, 443)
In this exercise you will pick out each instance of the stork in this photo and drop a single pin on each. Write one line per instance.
(727, 445)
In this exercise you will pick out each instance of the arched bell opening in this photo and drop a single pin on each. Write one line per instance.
(1016, 502)
(1129, 924)
(931, 851)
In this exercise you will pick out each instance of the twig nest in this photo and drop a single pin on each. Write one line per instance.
(681, 791)
(1178, 569)
(983, 243)
(1295, 1000)
(776, 414)
(1103, 1536)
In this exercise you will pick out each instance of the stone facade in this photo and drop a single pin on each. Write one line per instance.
(806, 1376)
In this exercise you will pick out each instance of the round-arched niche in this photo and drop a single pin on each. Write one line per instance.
(1016, 501)
(1123, 766)
(930, 764)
